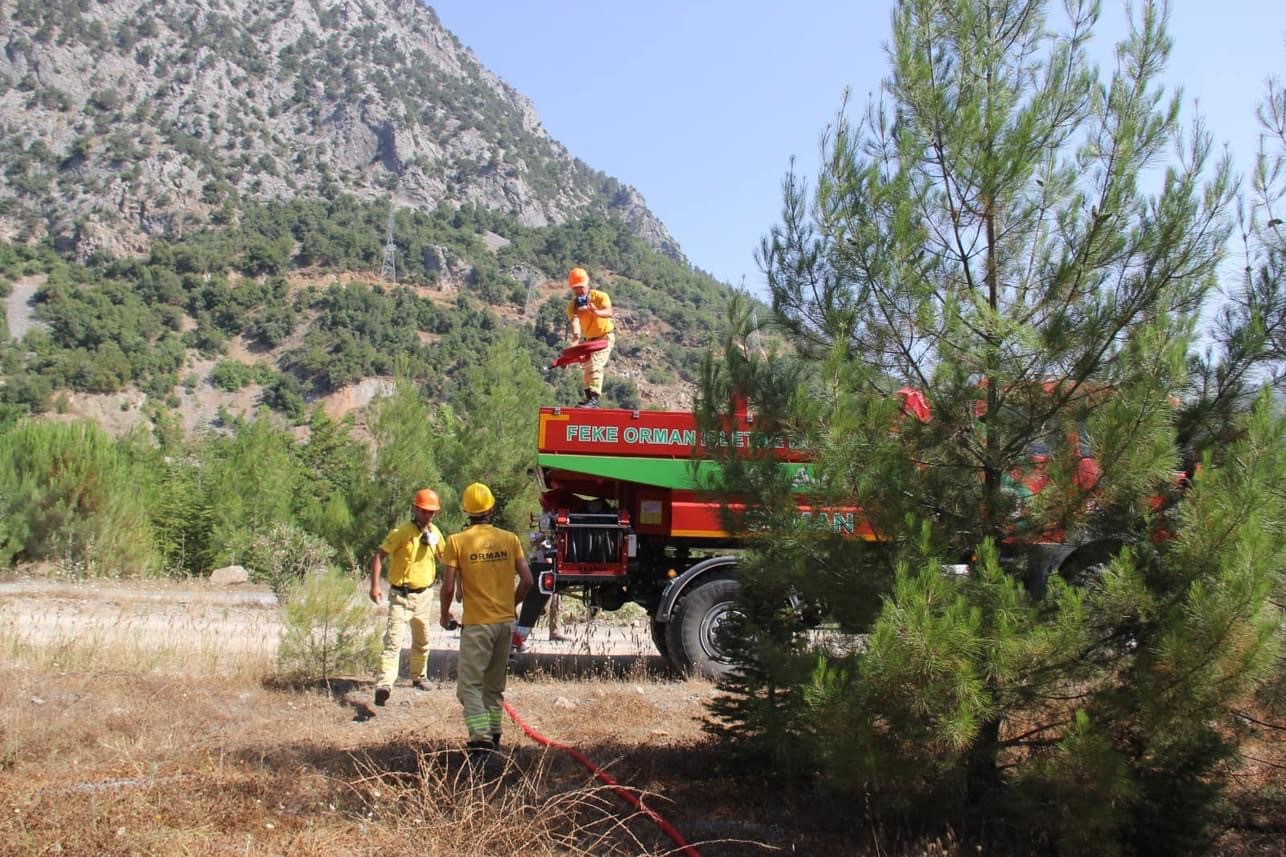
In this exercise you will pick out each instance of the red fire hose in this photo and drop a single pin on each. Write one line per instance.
(606, 779)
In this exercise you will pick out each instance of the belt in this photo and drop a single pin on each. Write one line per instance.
(408, 590)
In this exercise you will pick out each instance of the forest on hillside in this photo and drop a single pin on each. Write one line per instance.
(110, 323)
(464, 356)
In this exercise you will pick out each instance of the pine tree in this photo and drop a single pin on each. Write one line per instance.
(1248, 342)
(68, 493)
(257, 454)
(981, 237)
(328, 630)
(1249, 345)
(496, 433)
(335, 490)
(408, 435)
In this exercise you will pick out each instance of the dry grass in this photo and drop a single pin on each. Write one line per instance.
(101, 761)
(146, 719)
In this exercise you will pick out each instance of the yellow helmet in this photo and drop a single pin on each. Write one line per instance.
(477, 499)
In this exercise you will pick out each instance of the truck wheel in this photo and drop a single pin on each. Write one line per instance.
(693, 635)
(1085, 569)
(659, 639)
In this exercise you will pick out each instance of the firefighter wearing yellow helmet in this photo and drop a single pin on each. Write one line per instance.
(485, 560)
(414, 549)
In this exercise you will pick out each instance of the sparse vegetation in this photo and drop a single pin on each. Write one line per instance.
(1104, 482)
(311, 87)
(94, 693)
(115, 323)
(328, 627)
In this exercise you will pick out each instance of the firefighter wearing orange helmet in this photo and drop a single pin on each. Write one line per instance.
(413, 549)
(589, 314)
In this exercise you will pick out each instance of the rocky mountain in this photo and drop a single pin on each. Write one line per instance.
(125, 120)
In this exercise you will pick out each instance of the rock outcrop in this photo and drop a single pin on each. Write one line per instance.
(125, 120)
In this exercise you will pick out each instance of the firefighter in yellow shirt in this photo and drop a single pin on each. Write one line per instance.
(413, 548)
(485, 560)
(590, 316)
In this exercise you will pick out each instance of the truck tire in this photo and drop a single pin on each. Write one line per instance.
(659, 638)
(692, 636)
(1085, 568)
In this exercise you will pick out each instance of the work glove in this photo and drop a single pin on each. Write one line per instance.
(582, 301)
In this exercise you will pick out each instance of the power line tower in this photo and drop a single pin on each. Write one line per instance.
(388, 271)
(755, 340)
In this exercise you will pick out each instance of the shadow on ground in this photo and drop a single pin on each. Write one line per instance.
(356, 693)
(687, 785)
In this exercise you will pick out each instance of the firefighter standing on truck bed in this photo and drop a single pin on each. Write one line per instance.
(485, 560)
(414, 548)
(590, 316)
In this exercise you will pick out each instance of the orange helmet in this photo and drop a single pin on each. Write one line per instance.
(427, 499)
(577, 277)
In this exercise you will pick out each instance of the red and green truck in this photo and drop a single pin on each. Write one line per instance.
(628, 520)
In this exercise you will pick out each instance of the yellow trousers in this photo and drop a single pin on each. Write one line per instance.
(404, 609)
(597, 363)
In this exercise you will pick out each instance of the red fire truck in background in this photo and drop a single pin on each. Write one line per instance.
(628, 520)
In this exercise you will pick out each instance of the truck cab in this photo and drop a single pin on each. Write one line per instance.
(623, 500)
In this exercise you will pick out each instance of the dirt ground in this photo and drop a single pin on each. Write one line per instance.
(144, 718)
(244, 620)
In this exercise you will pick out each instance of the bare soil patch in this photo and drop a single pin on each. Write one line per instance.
(18, 310)
(145, 718)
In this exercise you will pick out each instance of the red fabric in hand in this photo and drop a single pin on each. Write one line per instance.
(579, 352)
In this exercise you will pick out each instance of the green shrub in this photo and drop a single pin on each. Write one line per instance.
(67, 492)
(286, 554)
(232, 375)
(328, 628)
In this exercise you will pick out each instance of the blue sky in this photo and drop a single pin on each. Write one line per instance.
(700, 104)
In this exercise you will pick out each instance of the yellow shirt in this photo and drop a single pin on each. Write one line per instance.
(412, 563)
(487, 561)
(591, 326)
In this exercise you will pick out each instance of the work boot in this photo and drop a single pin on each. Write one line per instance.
(495, 740)
(584, 403)
(381, 695)
(591, 399)
(480, 754)
(422, 684)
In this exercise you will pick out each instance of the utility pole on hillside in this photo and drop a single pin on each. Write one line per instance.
(755, 340)
(388, 271)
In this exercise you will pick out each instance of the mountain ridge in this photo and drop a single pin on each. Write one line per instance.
(125, 120)
(171, 172)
